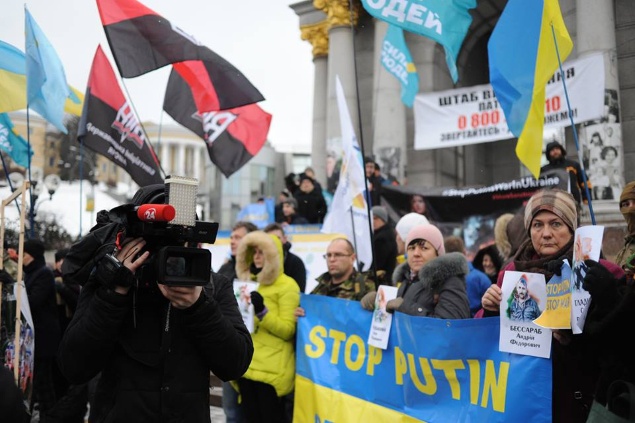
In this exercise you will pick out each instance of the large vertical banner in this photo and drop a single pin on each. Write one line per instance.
(433, 370)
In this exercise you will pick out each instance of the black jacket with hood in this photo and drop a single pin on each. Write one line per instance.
(155, 360)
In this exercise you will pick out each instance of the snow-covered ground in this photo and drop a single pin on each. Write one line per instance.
(68, 204)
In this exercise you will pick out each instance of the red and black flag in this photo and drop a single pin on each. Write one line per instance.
(232, 136)
(110, 127)
(142, 41)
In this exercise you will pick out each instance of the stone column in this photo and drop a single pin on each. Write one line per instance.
(389, 137)
(317, 35)
(179, 166)
(341, 63)
(197, 151)
(165, 157)
(314, 29)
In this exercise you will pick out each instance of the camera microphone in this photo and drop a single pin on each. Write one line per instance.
(155, 212)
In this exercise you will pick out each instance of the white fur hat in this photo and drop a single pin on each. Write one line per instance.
(408, 222)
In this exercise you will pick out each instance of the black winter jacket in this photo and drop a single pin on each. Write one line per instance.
(155, 360)
(385, 245)
(40, 288)
(294, 267)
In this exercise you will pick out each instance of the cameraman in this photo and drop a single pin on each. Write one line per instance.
(154, 345)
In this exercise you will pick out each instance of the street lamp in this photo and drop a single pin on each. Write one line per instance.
(50, 182)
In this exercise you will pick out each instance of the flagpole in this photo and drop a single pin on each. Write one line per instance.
(361, 143)
(575, 131)
(81, 182)
(158, 162)
(28, 140)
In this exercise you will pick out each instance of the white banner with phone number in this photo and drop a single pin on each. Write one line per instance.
(472, 115)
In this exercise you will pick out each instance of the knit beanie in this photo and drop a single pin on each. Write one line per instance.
(380, 212)
(559, 202)
(430, 233)
(628, 193)
(408, 222)
(34, 247)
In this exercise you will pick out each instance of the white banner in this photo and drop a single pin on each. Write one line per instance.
(472, 115)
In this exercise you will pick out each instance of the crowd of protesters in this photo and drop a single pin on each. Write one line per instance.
(434, 276)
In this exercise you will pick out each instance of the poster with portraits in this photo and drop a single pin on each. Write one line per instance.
(22, 356)
(242, 293)
(602, 152)
(524, 299)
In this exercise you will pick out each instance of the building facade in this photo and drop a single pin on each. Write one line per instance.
(346, 42)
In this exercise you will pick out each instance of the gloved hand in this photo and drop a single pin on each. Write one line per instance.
(394, 304)
(6, 278)
(368, 301)
(257, 301)
(554, 266)
(599, 281)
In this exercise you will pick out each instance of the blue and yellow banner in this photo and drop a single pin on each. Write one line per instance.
(444, 21)
(396, 59)
(433, 370)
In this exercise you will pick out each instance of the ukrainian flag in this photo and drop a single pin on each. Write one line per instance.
(523, 56)
(13, 83)
(12, 78)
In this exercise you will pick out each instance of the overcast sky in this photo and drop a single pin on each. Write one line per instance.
(261, 38)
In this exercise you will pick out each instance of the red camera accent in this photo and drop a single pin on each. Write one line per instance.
(156, 212)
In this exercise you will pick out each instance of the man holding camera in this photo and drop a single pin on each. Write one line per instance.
(154, 343)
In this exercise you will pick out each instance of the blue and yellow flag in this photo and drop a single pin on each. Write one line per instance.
(523, 56)
(47, 89)
(11, 142)
(12, 78)
(444, 21)
(396, 59)
(13, 83)
(433, 370)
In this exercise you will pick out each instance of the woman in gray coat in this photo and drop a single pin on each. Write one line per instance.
(431, 283)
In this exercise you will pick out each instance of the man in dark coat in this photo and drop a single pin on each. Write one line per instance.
(40, 288)
(154, 344)
(384, 243)
(293, 265)
(556, 154)
(311, 202)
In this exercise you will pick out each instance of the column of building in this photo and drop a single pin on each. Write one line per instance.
(389, 134)
(340, 22)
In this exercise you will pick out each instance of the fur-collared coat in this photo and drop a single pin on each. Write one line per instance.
(274, 356)
(438, 290)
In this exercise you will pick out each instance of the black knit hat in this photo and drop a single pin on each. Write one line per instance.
(34, 247)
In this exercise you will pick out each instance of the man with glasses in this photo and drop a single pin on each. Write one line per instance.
(342, 280)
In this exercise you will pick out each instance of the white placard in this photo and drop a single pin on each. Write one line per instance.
(524, 298)
(382, 320)
(242, 292)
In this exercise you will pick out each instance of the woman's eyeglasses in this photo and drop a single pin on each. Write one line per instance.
(335, 255)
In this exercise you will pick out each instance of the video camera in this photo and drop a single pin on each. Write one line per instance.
(165, 216)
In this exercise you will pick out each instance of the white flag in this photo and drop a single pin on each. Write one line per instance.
(348, 213)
